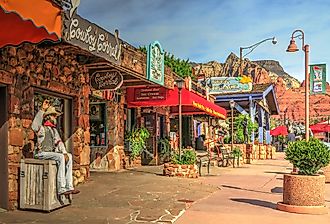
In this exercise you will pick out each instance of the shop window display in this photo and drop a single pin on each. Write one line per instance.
(98, 124)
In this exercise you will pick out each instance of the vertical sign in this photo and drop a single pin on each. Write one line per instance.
(318, 79)
(155, 63)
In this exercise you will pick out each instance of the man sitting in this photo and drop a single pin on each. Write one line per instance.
(50, 146)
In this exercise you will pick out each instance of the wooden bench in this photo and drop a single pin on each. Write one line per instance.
(38, 188)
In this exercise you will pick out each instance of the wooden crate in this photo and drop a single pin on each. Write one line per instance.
(38, 188)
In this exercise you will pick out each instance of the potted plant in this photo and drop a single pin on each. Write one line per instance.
(304, 191)
(137, 142)
(165, 149)
(184, 166)
(236, 155)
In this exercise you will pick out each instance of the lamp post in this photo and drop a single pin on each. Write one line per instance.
(252, 47)
(293, 48)
(232, 105)
(179, 84)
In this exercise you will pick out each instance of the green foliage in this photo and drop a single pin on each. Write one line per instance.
(227, 139)
(282, 139)
(165, 149)
(181, 67)
(309, 157)
(188, 157)
(237, 152)
(137, 141)
(240, 123)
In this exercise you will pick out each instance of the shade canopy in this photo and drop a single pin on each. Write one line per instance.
(30, 21)
(191, 102)
(280, 130)
(320, 127)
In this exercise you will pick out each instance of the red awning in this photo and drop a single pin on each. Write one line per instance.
(280, 130)
(29, 21)
(159, 96)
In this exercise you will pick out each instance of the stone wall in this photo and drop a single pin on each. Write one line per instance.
(176, 170)
(52, 69)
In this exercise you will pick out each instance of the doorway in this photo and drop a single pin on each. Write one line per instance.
(3, 149)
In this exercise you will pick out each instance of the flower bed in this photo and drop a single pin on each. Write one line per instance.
(176, 170)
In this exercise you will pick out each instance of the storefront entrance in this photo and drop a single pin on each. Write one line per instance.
(3, 149)
(155, 123)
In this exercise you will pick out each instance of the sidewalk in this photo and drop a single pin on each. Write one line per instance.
(249, 195)
(133, 196)
(228, 195)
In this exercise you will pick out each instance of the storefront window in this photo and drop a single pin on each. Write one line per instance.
(98, 124)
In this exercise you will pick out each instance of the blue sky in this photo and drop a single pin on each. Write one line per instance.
(205, 30)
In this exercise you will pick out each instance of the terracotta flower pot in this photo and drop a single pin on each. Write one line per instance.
(303, 194)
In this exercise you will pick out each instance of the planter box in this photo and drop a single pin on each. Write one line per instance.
(262, 152)
(176, 170)
(38, 188)
(235, 162)
(303, 194)
(255, 152)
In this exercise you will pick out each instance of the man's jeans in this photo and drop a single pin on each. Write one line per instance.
(64, 171)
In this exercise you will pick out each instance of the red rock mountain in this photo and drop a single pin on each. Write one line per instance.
(289, 91)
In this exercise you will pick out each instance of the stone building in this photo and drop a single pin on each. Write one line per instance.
(43, 58)
(52, 53)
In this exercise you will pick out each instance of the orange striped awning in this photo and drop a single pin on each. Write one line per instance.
(29, 21)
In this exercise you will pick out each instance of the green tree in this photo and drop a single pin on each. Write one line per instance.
(242, 122)
(181, 67)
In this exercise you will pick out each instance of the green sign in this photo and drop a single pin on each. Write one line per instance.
(317, 79)
(155, 63)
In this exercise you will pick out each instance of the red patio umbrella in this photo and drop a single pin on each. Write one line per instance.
(280, 130)
(320, 127)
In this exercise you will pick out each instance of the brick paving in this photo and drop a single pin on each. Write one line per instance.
(249, 195)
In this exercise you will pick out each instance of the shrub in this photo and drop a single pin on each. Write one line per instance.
(137, 139)
(188, 157)
(237, 152)
(309, 157)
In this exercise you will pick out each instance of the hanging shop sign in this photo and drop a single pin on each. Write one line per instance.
(90, 37)
(151, 93)
(318, 79)
(221, 85)
(109, 80)
(155, 63)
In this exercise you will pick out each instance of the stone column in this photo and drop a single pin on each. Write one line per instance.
(252, 116)
(261, 113)
(268, 137)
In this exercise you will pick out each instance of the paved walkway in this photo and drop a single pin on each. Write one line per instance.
(229, 195)
(249, 195)
(134, 196)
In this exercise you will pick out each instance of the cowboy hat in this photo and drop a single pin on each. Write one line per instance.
(52, 110)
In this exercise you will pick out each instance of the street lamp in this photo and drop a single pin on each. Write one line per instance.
(293, 48)
(252, 47)
(232, 105)
(180, 84)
